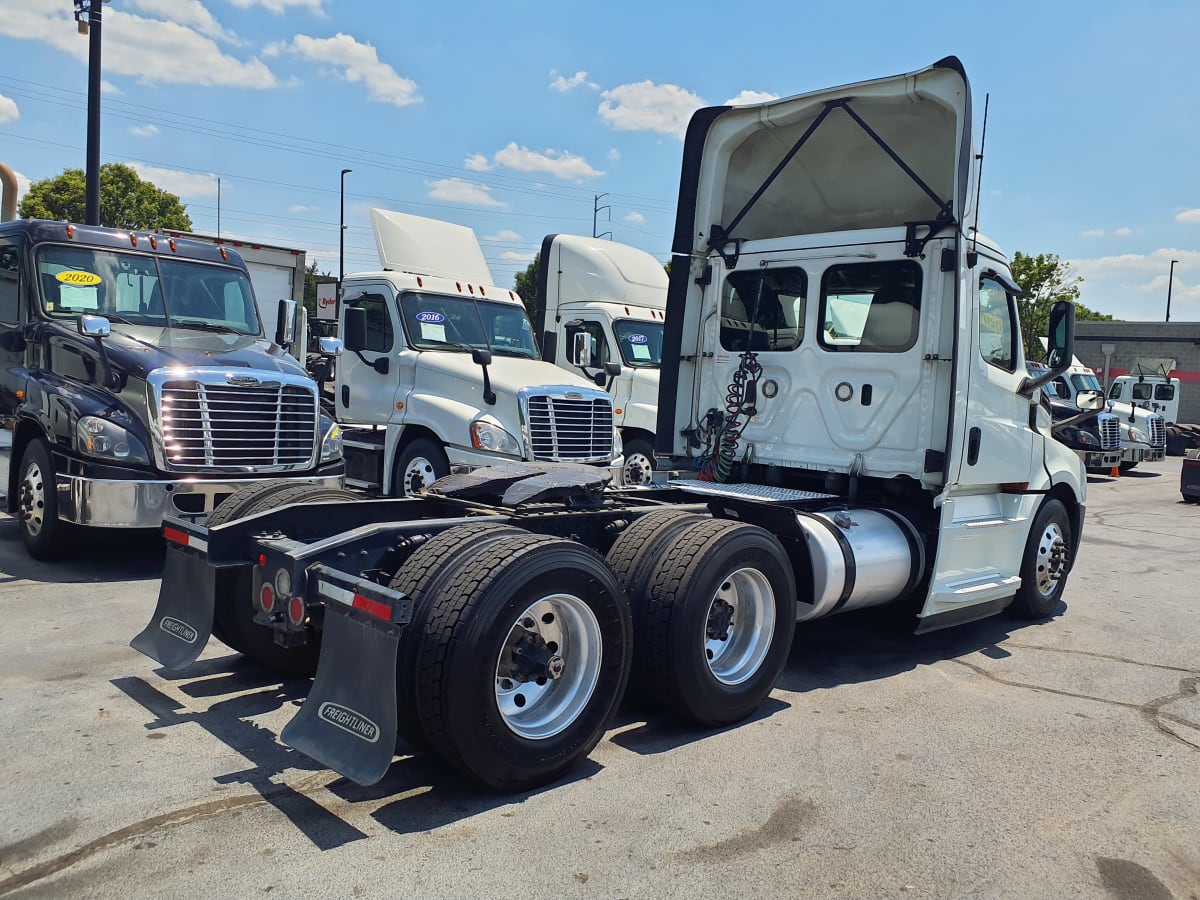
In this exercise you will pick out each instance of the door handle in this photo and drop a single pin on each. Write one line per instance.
(346, 396)
(974, 436)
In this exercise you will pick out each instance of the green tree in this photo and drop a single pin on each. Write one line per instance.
(311, 279)
(526, 287)
(1045, 279)
(126, 201)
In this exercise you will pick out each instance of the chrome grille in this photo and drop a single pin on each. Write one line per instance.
(1110, 431)
(1158, 431)
(570, 429)
(207, 425)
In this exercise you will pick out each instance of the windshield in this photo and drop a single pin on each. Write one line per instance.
(640, 343)
(139, 289)
(1086, 383)
(439, 322)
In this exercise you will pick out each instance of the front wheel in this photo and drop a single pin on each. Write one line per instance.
(421, 463)
(523, 662)
(1046, 563)
(639, 462)
(42, 531)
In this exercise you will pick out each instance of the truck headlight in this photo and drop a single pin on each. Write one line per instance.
(331, 444)
(106, 440)
(491, 437)
(1136, 434)
(1086, 437)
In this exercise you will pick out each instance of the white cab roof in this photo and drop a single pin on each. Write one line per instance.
(423, 246)
(600, 271)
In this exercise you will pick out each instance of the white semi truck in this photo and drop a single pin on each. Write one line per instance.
(498, 618)
(439, 370)
(600, 303)
(1143, 433)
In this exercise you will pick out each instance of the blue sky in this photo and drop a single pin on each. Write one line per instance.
(511, 117)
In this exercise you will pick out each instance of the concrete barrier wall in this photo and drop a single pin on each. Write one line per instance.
(1134, 340)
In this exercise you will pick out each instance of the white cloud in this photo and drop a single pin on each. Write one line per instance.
(565, 85)
(1188, 215)
(281, 6)
(188, 185)
(513, 256)
(559, 163)
(144, 130)
(504, 235)
(357, 62)
(646, 106)
(455, 190)
(1134, 285)
(635, 217)
(149, 49)
(9, 111)
(300, 209)
(614, 155)
(191, 13)
(107, 88)
(1092, 232)
(1123, 232)
(746, 98)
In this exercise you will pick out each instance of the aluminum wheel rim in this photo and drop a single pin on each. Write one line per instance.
(33, 499)
(639, 469)
(747, 595)
(418, 475)
(540, 708)
(1051, 558)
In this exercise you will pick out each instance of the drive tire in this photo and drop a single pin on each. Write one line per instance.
(422, 577)
(481, 722)
(233, 609)
(420, 464)
(44, 534)
(1046, 563)
(705, 572)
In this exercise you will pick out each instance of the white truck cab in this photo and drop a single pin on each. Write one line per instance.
(1143, 433)
(599, 303)
(439, 369)
(1156, 393)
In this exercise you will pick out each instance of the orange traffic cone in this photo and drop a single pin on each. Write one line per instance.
(1115, 473)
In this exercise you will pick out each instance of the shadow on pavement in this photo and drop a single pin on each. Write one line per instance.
(98, 555)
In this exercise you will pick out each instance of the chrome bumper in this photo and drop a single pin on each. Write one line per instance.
(142, 504)
(1156, 454)
(1100, 459)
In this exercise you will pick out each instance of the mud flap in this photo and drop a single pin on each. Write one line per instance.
(183, 619)
(348, 722)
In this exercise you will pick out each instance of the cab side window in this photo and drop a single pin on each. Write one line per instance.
(1061, 391)
(997, 325)
(596, 333)
(380, 336)
(10, 285)
(1114, 393)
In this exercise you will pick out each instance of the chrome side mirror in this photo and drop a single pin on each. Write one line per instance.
(94, 326)
(329, 346)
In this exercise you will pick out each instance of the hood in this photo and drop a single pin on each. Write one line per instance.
(877, 154)
(508, 374)
(141, 350)
(423, 246)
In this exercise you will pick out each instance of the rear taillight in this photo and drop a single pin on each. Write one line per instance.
(266, 598)
(296, 611)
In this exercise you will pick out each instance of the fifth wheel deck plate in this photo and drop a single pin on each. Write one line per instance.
(748, 491)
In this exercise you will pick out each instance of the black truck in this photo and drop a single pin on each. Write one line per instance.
(137, 381)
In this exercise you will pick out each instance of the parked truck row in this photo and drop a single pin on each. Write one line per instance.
(847, 421)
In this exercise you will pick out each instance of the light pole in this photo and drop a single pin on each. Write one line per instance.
(87, 16)
(1170, 283)
(342, 241)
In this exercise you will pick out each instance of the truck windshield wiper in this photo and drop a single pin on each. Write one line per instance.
(207, 326)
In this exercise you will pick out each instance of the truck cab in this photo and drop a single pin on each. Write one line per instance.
(602, 303)
(1143, 433)
(1156, 393)
(440, 370)
(137, 380)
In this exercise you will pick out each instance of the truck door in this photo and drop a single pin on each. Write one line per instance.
(998, 442)
(602, 351)
(366, 396)
(11, 342)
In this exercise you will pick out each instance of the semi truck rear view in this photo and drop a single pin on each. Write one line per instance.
(847, 420)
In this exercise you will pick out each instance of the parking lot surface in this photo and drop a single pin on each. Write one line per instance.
(999, 759)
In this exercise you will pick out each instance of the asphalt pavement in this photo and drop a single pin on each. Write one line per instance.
(999, 759)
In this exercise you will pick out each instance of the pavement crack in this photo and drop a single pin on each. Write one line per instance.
(1152, 712)
(188, 814)
(1094, 655)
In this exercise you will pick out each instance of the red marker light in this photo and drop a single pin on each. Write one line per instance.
(296, 611)
(266, 598)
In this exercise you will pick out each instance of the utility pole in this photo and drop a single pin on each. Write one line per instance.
(218, 209)
(87, 18)
(596, 207)
(342, 242)
(1170, 283)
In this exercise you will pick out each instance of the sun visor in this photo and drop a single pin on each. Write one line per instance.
(424, 246)
(597, 270)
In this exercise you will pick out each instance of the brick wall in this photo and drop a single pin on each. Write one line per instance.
(1180, 340)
